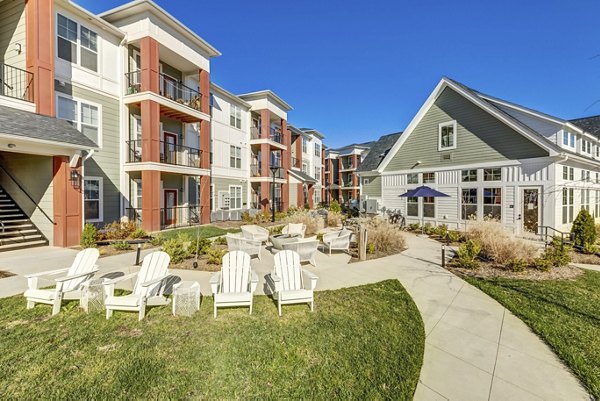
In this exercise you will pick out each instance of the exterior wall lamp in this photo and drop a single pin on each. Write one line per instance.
(75, 179)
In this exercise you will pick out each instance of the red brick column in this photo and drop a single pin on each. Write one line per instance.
(150, 67)
(311, 193)
(67, 201)
(39, 56)
(299, 151)
(265, 148)
(300, 196)
(151, 194)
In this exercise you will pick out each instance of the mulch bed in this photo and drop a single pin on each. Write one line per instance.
(577, 257)
(492, 270)
(4, 274)
(203, 264)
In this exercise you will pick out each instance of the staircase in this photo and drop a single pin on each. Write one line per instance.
(16, 230)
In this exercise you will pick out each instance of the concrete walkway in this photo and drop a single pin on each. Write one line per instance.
(475, 349)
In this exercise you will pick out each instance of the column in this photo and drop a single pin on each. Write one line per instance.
(67, 202)
(150, 65)
(299, 151)
(205, 135)
(151, 193)
(286, 160)
(39, 48)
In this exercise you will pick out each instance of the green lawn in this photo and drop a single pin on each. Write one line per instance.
(362, 343)
(204, 232)
(565, 313)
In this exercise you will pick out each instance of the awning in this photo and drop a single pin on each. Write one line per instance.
(302, 176)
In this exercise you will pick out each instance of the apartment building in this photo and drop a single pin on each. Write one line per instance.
(494, 158)
(114, 116)
(306, 173)
(341, 180)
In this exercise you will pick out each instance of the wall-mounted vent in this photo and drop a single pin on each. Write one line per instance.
(446, 157)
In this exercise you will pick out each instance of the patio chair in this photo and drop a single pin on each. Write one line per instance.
(293, 285)
(147, 291)
(235, 284)
(238, 243)
(337, 240)
(255, 232)
(305, 249)
(68, 286)
(293, 229)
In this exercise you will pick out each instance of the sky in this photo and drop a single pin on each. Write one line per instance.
(356, 70)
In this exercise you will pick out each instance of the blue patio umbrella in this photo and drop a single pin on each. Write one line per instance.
(424, 192)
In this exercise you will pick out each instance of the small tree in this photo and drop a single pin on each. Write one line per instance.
(584, 229)
(335, 206)
(89, 236)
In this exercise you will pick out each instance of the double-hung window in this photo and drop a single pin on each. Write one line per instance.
(76, 43)
(597, 208)
(304, 145)
(568, 173)
(429, 206)
(83, 116)
(235, 156)
(568, 139)
(469, 204)
(447, 136)
(305, 168)
(412, 206)
(585, 199)
(235, 116)
(567, 205)
(492, 203)
(317, 150)
(317, 171)
(586, 147)
(92, 199)
(235, 197)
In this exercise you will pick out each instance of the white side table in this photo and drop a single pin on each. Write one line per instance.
(186, 298)
(92, 295)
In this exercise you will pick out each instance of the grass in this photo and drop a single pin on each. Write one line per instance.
(207, 231)
(362, 342)
(565, 313)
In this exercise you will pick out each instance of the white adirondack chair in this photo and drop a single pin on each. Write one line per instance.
(68, 286)
(337, 240)
(148, 289)
(294, 229)
(254, 232)
(293, 285)
(306, 249)
(238, 243)
(235, 284)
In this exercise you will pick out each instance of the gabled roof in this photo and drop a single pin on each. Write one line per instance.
(302, 176)
(314, 132)
(349, 148)
(378, 151)
(42, 128)
(269, 94)
(487, 103)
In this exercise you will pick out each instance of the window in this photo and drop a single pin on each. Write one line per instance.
(447, 135)
(412, 206)
(492, 203)
(469, 204)
(83, 51)
(585, 175)
(585, 199)
(586, 146)
(92, 199)
(567, 205)
(317, 171)
(304, 145)
(366, 181)
(305, 168)
(412, 178)
(235, 197)
(235, 116)
(597, 204)
(568, 139)
(428, 178)
(429, 206)
(492, 174)
(235, 156)
(469, 176)
(317, 150)
(597, 178)
(83, 116)
(568, 173)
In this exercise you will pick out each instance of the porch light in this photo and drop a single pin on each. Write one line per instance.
(12, 146)
(75, 179)
(18, 48)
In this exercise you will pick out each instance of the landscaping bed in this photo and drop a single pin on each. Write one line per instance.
(564, 313)
(4, 274)
(350, 347)
(492, 270)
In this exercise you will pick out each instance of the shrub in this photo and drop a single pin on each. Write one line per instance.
(428, 229)
(370, 248)
(138, 233)
(542, 264)
(498, 245)
(583, 229)
(414, 227)
(335, 207)
(215, 256)
(157, 240)
(557, 253)
(246, 218)
(220, 241)
(292, 210)
(590, 249)
(313, 223)
(175, 248)
(453, 236)
(200, 244)
(119, 230)
(517, 265)
(89, 236)
(334, 219)
(467, 254)
(121, 245)
(280, 216)
(385, 238)
(275, 230)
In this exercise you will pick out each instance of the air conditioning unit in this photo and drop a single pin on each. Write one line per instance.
(372, 206)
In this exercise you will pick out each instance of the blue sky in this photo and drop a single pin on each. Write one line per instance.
(356, 70)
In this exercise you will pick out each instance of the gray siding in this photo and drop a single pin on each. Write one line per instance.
(105, 163)
(12, 30)
(293, 194)
(373, 188)
(222, 184)
(34, 174)
(480, 137)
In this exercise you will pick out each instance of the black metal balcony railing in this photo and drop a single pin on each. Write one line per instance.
(255, 170)
(347, 166)
(171, 217)
(296, 162)
(275, 135)
(254, 133)
(16, 83)
(169, 154)
(168, 87)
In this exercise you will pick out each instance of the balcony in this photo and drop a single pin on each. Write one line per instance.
(168, 88)
(255, 170)
(171, 217)
(16, 83)
(297, 163)
(169, 154)
(275, 137)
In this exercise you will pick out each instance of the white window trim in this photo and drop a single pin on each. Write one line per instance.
(79, 101)
(454, 128)
(100, 201)
(78, 43)
(235, 157)
(366, 181)
(241, 197)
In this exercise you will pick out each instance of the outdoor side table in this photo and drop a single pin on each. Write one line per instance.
(186, 298)
(92, 296)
